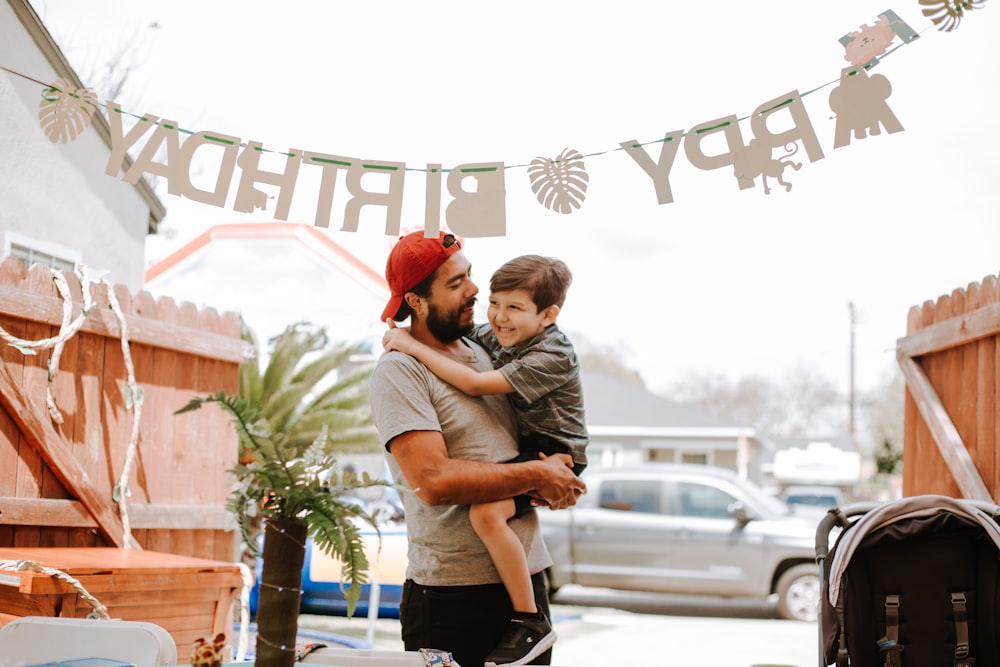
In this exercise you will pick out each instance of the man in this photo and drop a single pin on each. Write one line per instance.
(444, 447)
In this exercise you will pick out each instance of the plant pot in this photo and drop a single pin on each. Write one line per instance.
(280, 591)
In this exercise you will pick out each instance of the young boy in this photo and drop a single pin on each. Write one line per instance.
(535, 363)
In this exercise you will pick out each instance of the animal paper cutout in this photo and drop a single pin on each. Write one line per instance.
(860, 104)
(756, 160)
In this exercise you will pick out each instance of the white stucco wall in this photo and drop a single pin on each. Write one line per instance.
(59, 192)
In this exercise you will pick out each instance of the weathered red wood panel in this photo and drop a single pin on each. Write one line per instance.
(180, 464)
(955, 342)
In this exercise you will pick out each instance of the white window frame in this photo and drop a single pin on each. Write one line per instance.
(709, 454)
(606, 453)
(36, 251)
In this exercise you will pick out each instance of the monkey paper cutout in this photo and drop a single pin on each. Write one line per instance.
(756, 159)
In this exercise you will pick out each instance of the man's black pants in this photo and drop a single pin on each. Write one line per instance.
(467, 621)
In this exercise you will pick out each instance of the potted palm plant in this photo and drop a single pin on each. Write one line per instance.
(292, 418)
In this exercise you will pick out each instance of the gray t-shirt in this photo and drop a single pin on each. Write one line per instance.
(443, 548)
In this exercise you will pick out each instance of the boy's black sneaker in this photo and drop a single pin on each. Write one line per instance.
(527, 637)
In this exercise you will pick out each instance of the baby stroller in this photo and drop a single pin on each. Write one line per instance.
(910, 583)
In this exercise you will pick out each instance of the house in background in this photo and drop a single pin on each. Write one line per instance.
(274, 275)
(59, 206)
(628, 425)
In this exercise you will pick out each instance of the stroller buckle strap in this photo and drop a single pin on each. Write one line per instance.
(961, 626)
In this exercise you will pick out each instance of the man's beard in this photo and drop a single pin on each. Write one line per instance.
(448, 327)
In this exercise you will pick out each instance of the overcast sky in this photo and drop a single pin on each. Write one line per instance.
(722, 279)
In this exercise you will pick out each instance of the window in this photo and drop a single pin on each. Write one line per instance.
(33, 251)
(606, 454)
(700, 500)
(632, 495)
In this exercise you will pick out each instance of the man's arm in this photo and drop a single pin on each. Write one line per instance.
(439, 480)
(469, 380)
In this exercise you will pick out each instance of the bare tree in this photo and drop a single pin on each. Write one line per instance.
(881, 412)
(111, 73)
(802, 403)
(604, 358)
(105, 70)
(109, 78)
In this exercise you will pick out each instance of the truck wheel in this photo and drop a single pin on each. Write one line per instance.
(799, 593)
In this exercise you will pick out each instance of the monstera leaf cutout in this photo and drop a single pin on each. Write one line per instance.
(946, 14)
(65, 113)
(559, 185)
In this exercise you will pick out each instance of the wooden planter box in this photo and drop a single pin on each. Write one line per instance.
(188, 597)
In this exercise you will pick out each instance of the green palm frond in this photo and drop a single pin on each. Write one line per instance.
(292, 417)
(287, 353)
(249, 373)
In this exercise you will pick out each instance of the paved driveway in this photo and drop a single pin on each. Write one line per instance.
(600, 636)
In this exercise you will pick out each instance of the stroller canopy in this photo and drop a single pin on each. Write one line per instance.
(886, 515)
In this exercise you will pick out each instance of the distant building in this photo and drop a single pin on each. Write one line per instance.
(629, 424)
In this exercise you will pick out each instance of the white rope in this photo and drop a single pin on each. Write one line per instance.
(67, 330)
(100, 611)
(133, 400)
(133, 393)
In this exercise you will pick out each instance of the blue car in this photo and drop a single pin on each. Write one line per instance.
(322, 591)
(321, 588)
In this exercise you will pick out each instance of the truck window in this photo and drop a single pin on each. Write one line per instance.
(701, 500)
(632, 495)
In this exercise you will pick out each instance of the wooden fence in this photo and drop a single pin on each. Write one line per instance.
(950, 359)
(58, 480)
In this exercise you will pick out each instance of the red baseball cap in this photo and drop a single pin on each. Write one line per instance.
(411, 260)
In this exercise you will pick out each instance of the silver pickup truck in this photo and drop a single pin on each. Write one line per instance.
(684, 529)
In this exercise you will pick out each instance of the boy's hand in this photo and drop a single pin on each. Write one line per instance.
(398, 339)
(565, 488)
(566, 459)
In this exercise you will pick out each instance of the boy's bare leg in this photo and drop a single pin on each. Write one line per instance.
(489, 520)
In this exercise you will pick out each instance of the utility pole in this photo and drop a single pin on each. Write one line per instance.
(850, 384)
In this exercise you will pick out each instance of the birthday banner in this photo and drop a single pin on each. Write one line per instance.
(477, 190)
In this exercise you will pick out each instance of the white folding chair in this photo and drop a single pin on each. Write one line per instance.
(34, 640)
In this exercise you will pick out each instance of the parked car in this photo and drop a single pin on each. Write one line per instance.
(813, 501)
(322, 587)
(323, 593)
(684, 529)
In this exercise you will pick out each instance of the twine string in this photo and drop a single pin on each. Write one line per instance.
(68, 328)
(99, 610)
